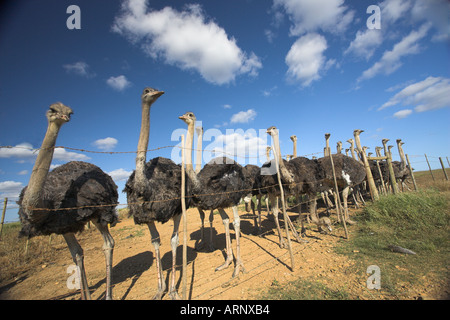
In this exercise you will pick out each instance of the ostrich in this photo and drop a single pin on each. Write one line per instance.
(153, 193)
(64, 200)
(298, 177)
(349, 173)
(220, 184)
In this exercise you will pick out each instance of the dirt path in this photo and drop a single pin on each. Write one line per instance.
(134, 272)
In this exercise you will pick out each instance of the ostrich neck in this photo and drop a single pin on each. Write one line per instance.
(188, 159)
(295, 149)
(198, 164)
(402, 155)
(141, 155)
(283, 170)
(33, 195)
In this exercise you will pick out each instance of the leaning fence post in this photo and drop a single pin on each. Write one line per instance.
(443, 168)
(338, 199)
(5, 202)
(429, 167)
(183, 208)
(412, 174)
(286, 224)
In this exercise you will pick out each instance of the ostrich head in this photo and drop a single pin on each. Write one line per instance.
(350, 141)
(384, 141)
(327, 135)
(59, 113)
(150, 95)
(188, 117)
(294, 138)
(357, 132)
(272, 131)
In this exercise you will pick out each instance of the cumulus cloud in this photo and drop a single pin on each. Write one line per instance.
(306, 60)
(425, 95)
(79, 68)
(311, 16)
(26, 152)
(365, 43)
(402, 113)
(120, 174)
(118, 83)
(10, 189)
(243, 116)
(186, 39)
(391, 59)
(247, 146)
(105, 144)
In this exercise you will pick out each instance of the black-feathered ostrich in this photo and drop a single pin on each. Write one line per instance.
(64, 200)
(153, 193)
(349, 173)
(220, 184)
(298, 176)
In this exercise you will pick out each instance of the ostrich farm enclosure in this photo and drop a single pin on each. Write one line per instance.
(44, 272)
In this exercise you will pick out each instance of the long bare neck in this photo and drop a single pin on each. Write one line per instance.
(33, 195)
(295, 149)
(189, 155)
(198, 165)
(402, 154)
(283, 170)
(141, 155)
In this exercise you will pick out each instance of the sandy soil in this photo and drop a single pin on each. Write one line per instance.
(134, 271)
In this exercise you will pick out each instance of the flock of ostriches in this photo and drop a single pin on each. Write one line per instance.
(64, 200)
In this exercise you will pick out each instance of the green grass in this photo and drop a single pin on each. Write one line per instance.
(419, 221)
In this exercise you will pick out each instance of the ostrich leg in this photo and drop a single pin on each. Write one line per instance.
(226, 223)
(108, 247)
(274, 201)
(156, 243)
(201, 244)
(174, 242)
(77, 255)
(211, 220)
(237, 230)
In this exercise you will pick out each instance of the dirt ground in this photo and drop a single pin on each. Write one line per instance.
(134, 271)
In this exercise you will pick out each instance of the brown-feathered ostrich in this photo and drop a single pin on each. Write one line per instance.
(153, 193)
(349, 173)
(298, 177)
(64, 200)
(220, 184)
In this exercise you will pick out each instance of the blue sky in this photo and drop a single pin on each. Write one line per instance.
(306, 67)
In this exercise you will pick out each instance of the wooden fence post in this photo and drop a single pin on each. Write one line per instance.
(183, 207)
(412, 174)
(429, 167)
(286, 218)
(443, 168)
(5, 202)
(338, 199)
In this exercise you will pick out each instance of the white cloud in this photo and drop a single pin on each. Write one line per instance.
(79, 68)
(429, 94)
(26, 152)
(118, 83)
(305, 59)
(392, 10)
(185, 39)
(402, 113)
(436, 12)
(246, 145)
(22, 172)
(10, 189)
(105, 144)
(243, 116)
(310, 16)
(390, 61)
(120, 174)
(365, 43)
(227, 106)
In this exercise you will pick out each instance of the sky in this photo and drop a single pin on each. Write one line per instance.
(306, 67)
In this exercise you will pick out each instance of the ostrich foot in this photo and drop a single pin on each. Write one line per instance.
(159, 294)
(239, 267)
(226, 264)
(283, 244)
(174, 295)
